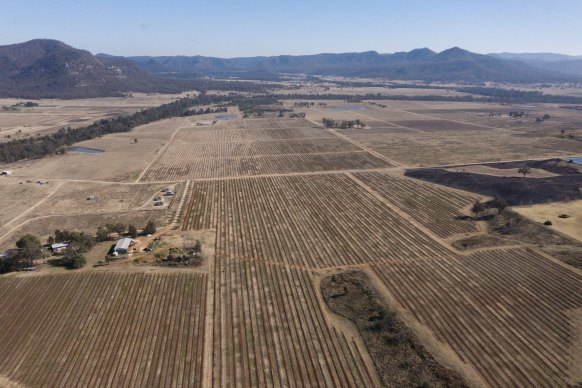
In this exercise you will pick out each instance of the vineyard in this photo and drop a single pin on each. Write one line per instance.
(261, 147)
(224, 135)
(277, 123)
(270, 330)
(185, 166)
(103, 330)
(433, 206)
(314, 221)
(503, 312)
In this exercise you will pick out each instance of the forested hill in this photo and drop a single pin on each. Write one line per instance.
(44, 68)
(454, 64)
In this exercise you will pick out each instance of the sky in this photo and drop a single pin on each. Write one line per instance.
(229, 28)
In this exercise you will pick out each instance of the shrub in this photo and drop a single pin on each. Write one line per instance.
(150, 228)
(74, 261)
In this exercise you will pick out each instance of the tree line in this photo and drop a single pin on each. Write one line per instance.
(344, 124)
(39, 146)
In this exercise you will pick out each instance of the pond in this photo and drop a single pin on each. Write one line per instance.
(225, 117)
(84, 150)
(576, 160)
(349, 108)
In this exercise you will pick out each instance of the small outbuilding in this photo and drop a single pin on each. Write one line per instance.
(122, 245)
(59, 247)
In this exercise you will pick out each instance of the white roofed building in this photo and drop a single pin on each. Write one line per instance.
(123, 245)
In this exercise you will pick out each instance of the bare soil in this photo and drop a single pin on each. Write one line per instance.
(53, 114)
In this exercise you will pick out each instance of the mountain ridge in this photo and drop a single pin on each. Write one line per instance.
(45, 68)
(52, 69)
(454, 64)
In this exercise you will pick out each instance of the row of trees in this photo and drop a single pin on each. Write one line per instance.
(344, 124)
(519, 96)
(201, 111)
(104, 232)
(55, 143)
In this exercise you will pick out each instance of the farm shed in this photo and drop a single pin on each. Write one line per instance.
(58, 247)
(122, 245)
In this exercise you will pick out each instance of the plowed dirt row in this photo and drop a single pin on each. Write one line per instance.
(106, 330)
(313, 221)
(503, 312)
(434, 207)
(271, 331)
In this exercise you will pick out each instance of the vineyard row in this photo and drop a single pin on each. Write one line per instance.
(314, 221)
(503, 312)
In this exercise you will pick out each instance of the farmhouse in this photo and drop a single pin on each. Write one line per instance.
(122, 245)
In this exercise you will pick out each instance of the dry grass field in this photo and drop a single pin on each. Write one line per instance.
(19, 198)
(122, 159)
(571, 226)
(279, 205)
(505, 172)
(72, 198)
(53, 114)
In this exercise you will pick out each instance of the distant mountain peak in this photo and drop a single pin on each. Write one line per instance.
(455, 52)
(51, 68)
(420, 53)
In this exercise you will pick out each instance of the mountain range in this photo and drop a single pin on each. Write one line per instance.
(454, 64)
(50, 68)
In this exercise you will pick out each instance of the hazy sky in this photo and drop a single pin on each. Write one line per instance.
(228, 28)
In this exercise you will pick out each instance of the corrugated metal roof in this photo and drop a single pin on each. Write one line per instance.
(123, 244)
(59, 245)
